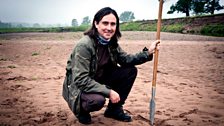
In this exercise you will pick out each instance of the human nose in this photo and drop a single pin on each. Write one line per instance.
(109, 27)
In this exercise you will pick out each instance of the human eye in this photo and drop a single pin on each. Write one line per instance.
(113, 24)
(105, 23)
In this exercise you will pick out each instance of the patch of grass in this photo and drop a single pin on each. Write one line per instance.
(147, 27)
(213, 30)
(137, 26)
(61, 37)
(80, 28)
(34, 78)
(50, 29)
(47, 48)
(129, 26)
(13, 30)
(176, 28)
(3, 59)
(133, 26)
(35, 53)
(11, 66)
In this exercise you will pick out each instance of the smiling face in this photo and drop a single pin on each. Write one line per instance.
(107, 26)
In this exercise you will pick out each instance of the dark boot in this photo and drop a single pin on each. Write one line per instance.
(85, 118)
(118, 114)
(90, 103)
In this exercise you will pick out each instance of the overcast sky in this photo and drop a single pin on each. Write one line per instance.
(63, 11)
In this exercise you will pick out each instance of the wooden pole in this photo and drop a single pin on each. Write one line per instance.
(152, 102)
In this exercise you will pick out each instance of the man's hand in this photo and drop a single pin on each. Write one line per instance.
(114, 96)
(155, 45)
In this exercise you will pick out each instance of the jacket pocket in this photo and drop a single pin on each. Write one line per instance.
(65, 90)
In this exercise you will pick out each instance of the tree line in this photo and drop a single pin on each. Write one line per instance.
(125, 16)
(197, 7)
(28, 25)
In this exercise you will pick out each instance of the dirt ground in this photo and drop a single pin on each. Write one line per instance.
(190, 81)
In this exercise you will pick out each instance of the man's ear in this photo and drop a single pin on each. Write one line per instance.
(96, 25)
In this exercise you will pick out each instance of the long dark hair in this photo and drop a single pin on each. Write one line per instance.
(92, 32)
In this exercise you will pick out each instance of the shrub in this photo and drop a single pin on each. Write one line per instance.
(213, 30)
(176, 28)
(129, 26)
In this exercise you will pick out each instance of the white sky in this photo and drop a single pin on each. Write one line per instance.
(63, 11)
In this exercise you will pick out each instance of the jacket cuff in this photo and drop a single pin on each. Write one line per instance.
(150, 56)
(106, 92)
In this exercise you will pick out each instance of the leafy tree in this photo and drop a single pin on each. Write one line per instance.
(5, 25)
(212, 5)
(86, 20)
(127, 16)
(183, 6)
(74, 22)
(198, 6)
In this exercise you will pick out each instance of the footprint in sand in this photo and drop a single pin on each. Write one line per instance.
(62, 115)
(19, 87)
(17, 78)
(10, 102)
(194, 111)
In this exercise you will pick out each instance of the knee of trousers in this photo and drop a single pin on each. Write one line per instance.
(93, 102)
(133, 72)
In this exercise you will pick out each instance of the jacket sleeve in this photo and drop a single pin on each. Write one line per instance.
(133, 59)
(80, 72)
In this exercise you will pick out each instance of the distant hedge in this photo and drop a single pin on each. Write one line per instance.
(190, 25)
(213, 30)
(51, 29)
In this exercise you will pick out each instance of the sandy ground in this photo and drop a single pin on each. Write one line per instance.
(190, 82)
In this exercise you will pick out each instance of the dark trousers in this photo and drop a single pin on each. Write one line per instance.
(120, 79)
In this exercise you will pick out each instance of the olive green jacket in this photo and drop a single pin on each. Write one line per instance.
(81, 69)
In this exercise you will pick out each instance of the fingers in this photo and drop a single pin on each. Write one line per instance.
(115, 101)
(156, 45)
(158, 41)
(114, 96)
